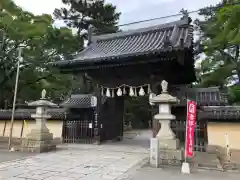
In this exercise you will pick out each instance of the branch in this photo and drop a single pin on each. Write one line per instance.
(30, 83)
(237, 52)
(7, 75)
(230, 58)
(236, 58)
(39, 79)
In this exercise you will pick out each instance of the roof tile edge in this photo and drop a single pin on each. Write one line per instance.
(184, 21)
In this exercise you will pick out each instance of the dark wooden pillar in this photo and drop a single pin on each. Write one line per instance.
(119, 115)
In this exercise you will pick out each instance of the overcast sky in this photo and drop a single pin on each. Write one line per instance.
(132, 10)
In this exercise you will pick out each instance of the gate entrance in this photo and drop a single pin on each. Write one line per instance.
(133, 63)
(78, 126)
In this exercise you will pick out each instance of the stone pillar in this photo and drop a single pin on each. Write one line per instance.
(39, 139)
(155, 125)
(169, 151)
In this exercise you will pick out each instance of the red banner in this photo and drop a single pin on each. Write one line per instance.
(190, 128)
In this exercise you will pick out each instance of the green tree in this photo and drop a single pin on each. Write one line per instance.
(219, 40)
(227, 21)
(82, 13)
(43, 43)
(138, 112)
(79, 15)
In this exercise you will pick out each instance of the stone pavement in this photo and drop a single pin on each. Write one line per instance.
(5, 155)
(70, 162)
(85, 162)
(170, 173)
(111, 161)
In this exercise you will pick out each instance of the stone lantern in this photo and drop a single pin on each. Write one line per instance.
(40, 139)
(165, 147)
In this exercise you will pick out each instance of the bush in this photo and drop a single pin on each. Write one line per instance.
(234, 94)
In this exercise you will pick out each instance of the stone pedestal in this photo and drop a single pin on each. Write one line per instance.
(39, 139)
(169, 143)
(165, 148)
(165, 156)
(154, 152)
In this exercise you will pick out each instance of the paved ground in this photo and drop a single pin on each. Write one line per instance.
(147, 173)
(86, 162)
(111, 161)
(5, 155)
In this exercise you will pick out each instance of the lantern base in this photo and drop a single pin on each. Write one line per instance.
(38, 141)
(165, 153)
(172, 157)
(169, 144)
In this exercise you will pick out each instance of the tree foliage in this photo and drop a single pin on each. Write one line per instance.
(234, 94)
(41, 42)
(138, 112)
(82, 13)
(227, 24)
(219, 40)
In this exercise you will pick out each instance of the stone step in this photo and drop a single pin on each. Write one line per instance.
(4, 140)
(206, 161)
(230, 167)
(4, 146)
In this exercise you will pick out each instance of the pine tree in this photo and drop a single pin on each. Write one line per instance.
(219, 40)
(80, 14)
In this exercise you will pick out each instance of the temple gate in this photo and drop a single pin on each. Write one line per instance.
(133, 63)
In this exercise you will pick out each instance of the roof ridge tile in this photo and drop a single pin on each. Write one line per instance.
(133, 32)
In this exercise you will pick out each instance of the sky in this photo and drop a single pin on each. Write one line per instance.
(131, 10)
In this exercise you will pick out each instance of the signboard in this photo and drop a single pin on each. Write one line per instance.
(190, 127)
(90, 125)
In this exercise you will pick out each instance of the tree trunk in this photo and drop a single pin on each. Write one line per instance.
(238, 76)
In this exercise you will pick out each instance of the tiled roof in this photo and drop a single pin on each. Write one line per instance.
(78, 101)
(220, 113)
(25, 114)
(146, 41)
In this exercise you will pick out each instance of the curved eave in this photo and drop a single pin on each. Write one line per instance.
(75, 106)
(22, 118)
(25, 114)
(121, 60)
